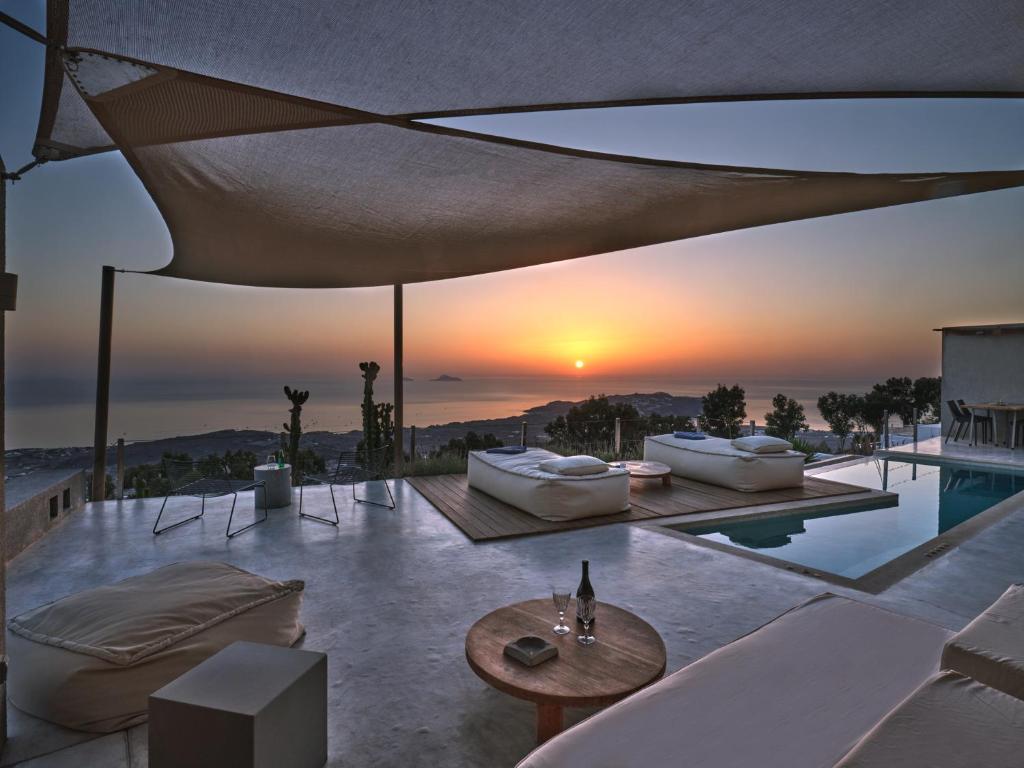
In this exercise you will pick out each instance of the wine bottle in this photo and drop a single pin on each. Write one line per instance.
(585, 589)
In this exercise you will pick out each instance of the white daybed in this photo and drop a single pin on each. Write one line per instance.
(833, 683)
(797, 693)
(517, 479)
(714, 460)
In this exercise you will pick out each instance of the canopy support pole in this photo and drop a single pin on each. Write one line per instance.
(3, 508)
(399, 384)
(99, 444)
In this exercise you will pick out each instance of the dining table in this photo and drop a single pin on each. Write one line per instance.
(1010, 409)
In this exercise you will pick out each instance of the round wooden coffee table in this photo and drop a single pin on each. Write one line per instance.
(649, 470)
(628, 655)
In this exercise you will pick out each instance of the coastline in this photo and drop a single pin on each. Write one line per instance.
(23, 461)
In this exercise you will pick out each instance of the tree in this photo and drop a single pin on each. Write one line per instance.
(896, 396)
(723, 410)
(928, 397)
(461, 446)
(840, 411)
(786, 419)
(591, 424)
(656, 424)
(872, 407)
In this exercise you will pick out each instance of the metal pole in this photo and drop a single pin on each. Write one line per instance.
(99, 442)
(618, 437)
(399, 382)
(753, 427)
(119, 482)
(915, 426)
(412, 444)
(885, 429)
(522, 434)
(3, 512)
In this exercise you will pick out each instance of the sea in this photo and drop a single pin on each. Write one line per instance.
(154, 410)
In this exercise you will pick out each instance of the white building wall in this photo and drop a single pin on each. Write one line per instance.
(981, 368)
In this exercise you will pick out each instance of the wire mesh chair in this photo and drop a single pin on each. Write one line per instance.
(205, 480)
(352, 468)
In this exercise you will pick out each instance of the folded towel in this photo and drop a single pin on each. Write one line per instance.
(690, 435)
(510, 449)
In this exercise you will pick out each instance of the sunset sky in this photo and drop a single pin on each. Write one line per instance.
(847, 296)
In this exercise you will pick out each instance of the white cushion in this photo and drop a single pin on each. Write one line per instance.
(762, 444)
(991, 648)
(949, 722)
(574, 466)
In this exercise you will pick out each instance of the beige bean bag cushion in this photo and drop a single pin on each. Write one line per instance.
(91, 660)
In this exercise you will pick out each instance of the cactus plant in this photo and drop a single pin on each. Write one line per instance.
(294, 429)
(378, 426)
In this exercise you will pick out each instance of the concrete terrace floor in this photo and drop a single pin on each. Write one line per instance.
(390, 596)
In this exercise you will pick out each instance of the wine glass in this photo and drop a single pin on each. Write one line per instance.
(271, 460)
(586, 607)
(560, 597)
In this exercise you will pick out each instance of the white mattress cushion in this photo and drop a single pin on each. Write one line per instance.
(518, 480)
(761, 444)
(991, 648)
(718, 462)
(574, 465)
(717, 446)
(797, 693)
(949, 722)
(90, 660)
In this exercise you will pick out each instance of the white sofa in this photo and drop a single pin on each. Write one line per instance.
(714, 460)
(833, 683)
(518, 480)
(797, 693)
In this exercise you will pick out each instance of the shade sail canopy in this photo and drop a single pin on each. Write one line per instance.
(279, 141)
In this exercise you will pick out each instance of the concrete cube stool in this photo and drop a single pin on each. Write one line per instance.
(249, 706)
(991, 648)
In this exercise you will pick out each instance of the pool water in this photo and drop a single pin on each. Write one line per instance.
(932, 500)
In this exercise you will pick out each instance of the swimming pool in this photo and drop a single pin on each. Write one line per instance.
(850, 543)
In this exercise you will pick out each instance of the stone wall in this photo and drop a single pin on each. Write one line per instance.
(38, 502)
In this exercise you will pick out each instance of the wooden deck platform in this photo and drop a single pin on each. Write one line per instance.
(484, 518)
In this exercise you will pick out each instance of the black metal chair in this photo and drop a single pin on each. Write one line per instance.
(352, 468)
(985, 422)
(206, 480)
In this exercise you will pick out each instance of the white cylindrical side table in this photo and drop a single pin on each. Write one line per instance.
(279, 485)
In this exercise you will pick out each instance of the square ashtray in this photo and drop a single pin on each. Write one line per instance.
(530, 650)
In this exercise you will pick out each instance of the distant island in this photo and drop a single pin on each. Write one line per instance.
(408, 378)
(446, 377)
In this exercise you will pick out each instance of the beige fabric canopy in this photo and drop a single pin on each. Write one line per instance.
(281, 147)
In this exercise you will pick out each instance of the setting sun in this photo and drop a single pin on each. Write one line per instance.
(579, 363)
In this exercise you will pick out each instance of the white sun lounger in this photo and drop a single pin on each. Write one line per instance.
(517, 479)
(714, 460)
